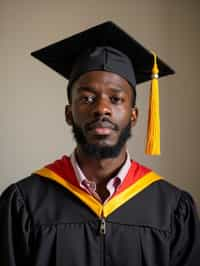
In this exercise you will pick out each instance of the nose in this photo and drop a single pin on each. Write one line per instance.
(102, 107)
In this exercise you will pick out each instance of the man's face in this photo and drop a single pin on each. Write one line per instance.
(101, 112)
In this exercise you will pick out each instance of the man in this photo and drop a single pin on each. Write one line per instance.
(98, 207)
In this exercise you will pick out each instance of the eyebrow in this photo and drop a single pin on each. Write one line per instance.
(117, 89)
(91, 89)
(86, 88)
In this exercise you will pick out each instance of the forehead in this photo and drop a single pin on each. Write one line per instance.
(99, 78)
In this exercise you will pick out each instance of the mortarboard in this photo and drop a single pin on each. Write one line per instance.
(108, 47)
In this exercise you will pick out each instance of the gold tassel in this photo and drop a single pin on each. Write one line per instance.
(153, 131)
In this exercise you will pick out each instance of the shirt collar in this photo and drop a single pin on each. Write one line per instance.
(82, 178)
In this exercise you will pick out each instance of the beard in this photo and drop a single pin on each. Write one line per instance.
(98, 151)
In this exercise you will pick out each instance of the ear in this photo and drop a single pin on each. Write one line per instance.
(134, 116)
(68, 115)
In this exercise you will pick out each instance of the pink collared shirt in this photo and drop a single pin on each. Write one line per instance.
(90, 186)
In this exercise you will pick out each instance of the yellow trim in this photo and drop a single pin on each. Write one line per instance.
(130, 192)
(113, 204)
(90, 201)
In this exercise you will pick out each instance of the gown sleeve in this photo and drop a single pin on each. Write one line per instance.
(14, 229)
(185, 245)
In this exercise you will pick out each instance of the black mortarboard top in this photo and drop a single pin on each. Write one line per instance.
(108, 47)
(62, 55)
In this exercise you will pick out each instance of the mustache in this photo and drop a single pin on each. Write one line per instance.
(101, 122)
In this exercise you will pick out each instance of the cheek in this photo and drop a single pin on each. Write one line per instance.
(78, 114)
(122, 115)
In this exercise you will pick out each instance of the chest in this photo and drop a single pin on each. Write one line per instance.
(67, 232)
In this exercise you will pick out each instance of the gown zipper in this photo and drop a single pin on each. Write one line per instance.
(102, 233)
(102, 229)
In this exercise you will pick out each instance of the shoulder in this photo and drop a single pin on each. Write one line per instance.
(169, 202)
(166, 191)
(25, 190)
(36, 182)
(158, 186)
(39, 190)
(164, 199)
(165, 194)
(139, 171)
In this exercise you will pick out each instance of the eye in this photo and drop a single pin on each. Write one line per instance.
(87, 99)
(116, 99)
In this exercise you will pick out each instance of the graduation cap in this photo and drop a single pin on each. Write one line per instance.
(107, 47)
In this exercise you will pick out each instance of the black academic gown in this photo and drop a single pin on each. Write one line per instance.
(44, 224)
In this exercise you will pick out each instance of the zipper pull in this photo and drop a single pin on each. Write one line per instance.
(102, 229)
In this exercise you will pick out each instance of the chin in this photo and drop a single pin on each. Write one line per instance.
(102, 144)
(102, 141)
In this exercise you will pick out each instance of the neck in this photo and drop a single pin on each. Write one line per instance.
(100, 170)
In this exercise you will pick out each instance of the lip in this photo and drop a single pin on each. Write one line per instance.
(102, 130)
(101, 125)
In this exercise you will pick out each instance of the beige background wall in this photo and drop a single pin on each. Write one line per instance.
(32, 98)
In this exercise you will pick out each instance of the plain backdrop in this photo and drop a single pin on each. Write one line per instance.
(32, 97)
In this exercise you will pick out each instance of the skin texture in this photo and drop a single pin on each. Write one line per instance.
(99, 96)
